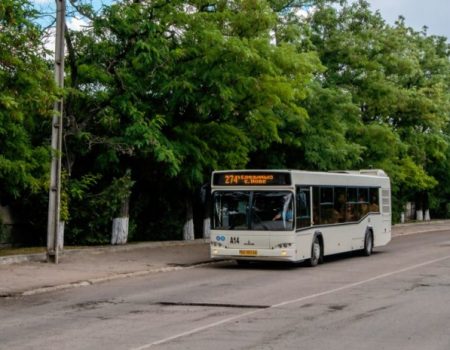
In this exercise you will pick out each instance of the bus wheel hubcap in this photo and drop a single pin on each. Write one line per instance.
(316, 251)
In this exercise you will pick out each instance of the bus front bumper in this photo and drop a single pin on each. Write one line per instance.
(278, 254)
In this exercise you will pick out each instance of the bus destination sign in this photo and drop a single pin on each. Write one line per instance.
(252, 179)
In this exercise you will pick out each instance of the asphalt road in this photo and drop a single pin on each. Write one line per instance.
(399, 298)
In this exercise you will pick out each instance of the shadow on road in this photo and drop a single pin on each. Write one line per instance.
(282, 265)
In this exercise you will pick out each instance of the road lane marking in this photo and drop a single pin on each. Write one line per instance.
(289, 302)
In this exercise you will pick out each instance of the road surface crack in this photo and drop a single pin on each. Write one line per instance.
(239, 306)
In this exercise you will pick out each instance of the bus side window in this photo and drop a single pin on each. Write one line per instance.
(363, 201)
(303, 218)
(340, 198)
(374, 205)
(316, 208)
(327, 213)
(351, 212)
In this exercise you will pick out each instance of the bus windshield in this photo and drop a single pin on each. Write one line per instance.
(253, 210)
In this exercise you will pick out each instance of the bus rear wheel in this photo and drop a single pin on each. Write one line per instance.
(316, 253)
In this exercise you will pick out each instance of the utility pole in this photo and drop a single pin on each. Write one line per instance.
(57, 128)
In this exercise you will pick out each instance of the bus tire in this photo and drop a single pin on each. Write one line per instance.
(316, 253)
(368, 244)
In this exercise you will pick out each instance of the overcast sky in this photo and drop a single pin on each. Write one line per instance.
(434, 14)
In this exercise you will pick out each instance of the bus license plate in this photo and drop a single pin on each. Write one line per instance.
(248, 252)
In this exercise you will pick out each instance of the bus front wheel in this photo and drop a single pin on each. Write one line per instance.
(316, 253)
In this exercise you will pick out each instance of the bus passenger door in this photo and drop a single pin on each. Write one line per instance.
(303, 205)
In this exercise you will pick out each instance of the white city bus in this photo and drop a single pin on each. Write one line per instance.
(291, 215)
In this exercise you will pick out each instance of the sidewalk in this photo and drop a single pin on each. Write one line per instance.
(88, 266)
(83, 267)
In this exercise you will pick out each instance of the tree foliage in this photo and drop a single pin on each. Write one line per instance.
(26, 95)
(184, 87)
(399, 80)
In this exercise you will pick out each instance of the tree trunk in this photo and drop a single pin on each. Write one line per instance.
(207, 228)
(119, 231)
(120, 225)
(206, 203)
(426, 206)
(420, 205)
(419, 215)
(188, 228)
(207, 217)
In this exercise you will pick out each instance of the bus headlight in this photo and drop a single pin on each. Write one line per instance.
(283, 245)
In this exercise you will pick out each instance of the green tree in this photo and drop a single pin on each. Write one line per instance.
(185, 87)
(398, 79)
(26, 95)
(322, 142)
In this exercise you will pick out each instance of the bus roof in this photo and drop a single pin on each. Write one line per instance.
(289, 178)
